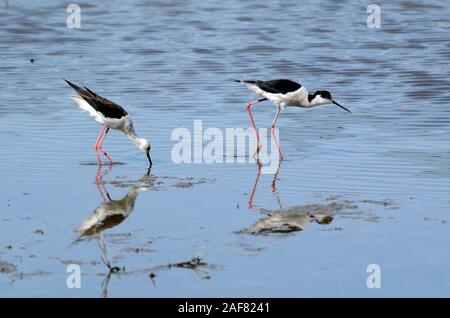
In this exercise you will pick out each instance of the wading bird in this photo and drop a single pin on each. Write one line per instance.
(284, 93)
(110, 116)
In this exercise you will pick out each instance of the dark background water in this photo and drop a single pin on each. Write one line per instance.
(169, 63)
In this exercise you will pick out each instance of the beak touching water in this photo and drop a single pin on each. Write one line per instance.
(149, 159)
(341, 106)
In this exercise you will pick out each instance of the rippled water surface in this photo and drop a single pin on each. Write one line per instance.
(371, 187)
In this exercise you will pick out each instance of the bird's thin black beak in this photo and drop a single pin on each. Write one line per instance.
(149, 159)
(341, 106)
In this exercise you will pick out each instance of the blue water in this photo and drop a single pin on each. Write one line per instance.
(170, 63)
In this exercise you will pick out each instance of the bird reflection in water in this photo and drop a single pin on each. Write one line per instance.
(290, 219)
(274, 184)
(109, 214)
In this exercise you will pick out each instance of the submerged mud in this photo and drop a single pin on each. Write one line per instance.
(298, 217)
(6, 267)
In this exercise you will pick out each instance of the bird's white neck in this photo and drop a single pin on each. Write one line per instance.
(135, 139)
(141, 143)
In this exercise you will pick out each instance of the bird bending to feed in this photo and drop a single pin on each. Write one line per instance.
(111, 116)
(284, 93)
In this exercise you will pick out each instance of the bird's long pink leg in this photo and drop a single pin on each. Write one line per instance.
(101, 148)
(96, 145)
(247, 106)
(272, 130)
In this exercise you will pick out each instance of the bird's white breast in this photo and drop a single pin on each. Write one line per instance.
(124, 124)
(296, 98)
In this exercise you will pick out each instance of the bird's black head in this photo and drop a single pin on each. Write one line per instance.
(325, 95)
(320, 98)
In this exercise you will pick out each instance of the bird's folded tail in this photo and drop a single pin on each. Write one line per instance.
(85, 106)
(252, 86)
(75, 87)
(243, 81)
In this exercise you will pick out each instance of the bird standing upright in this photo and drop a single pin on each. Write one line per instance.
(111, 116)
(283, 93)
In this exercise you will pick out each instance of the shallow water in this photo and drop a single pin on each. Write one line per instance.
(169, 63)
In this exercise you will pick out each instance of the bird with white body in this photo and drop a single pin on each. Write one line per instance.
(111, 116)
(284, 93)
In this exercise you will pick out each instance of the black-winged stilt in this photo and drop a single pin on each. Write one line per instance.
(284, 93)
(111, 116)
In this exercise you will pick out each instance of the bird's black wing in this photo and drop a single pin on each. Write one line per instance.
(106, 107)
(279, 86)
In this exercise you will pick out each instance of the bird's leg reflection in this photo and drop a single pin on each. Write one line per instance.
(99, 180)
(99, 176)
(104, 285)
(275, 177)
(105, 260)
(101, 188)
(110, 213)
(255, 185)
(274, 184)
(274, 181)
